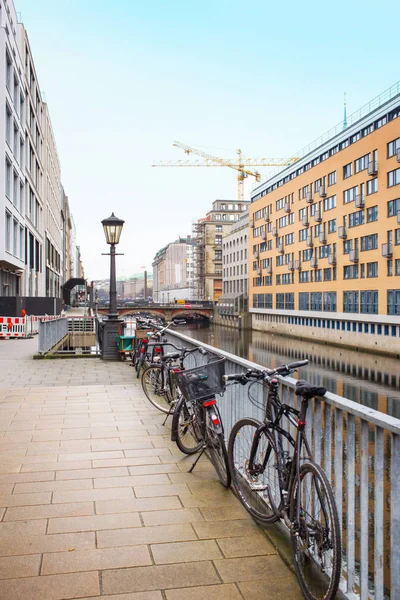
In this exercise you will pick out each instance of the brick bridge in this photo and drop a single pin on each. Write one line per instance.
(167, 311)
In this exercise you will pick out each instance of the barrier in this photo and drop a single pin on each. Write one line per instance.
(13, 327)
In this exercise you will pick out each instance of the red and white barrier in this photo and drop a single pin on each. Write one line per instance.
(22, 327)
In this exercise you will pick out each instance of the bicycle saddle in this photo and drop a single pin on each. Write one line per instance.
(308, 391)
(171, 355)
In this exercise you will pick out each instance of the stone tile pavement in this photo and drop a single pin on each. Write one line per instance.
(95, 501)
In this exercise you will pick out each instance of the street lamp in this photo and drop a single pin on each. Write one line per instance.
(112, 230)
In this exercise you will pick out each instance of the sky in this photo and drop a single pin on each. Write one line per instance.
(124, 79)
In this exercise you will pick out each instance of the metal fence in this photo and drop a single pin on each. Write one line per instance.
(359, 449)
(51, 333)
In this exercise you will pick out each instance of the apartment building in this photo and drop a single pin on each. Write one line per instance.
(325, 236)
(208, 233)
(173, 271)
(234, 299)
(12, 166)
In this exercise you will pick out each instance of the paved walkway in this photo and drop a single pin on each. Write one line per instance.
(96, 501)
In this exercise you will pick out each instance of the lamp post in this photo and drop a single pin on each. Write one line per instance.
(109, 350)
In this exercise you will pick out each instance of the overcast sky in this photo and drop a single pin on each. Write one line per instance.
(124, 79)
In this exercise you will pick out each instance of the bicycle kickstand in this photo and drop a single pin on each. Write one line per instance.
(171, 411)
(197, 459)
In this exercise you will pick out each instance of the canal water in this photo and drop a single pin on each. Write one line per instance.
(370, 379)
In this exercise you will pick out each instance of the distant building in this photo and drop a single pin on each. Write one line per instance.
(173, 273)
(208, 233)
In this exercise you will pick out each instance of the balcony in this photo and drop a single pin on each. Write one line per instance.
(291, 265)
(275, 231)
(309, 197)
(287, 207)
(387, 250)
(267, 218)
(256, 253)
(373, 167)
(332, 259)
(322, 237)
(297, 265)
(360, 201)
(314, 262)
(281, 248)
(322, 191)
(310, 242)
(353, 256)
(306, 221)
(269, 270)
(318, 216)
(342, 232)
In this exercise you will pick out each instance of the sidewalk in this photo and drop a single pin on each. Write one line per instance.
(96, 501)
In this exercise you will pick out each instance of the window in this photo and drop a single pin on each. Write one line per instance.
(393, 302)
(372, 214)
(8, 179)
(289, 239)
(317, 185)
(332, 226)
(369, 242)
(8, 232)
(330, 301)
(394, 178)
(369, 302)
(324, 251)
(393, 207)
(318, 275)
(372, 269)
(289, 301)
(304, 277)
(347, 245)
(330, 203)
(349, 195)
(304, 301)
(332, 178)
(397, 266)
(8, 71)
(287, 278)
(361, 163)
(316, 300)
(356, 218)
(350, 272)
(327, 274)
(280, 203)
(280, 301)
(218, 254)
(218, 240)
(372, 186)
(393, 147)
(304, 233)
(307, 254)
(350, 302)
(8, 125)
(397, 237)
(347, 170)
(218, 228)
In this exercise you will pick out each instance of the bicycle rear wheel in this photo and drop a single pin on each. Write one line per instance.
(259, 494)
(316, 536)
(186, 428)
(155, 389)
(216, 450)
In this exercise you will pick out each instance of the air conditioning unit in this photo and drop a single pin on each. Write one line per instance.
(305, 221)
(398, 154)
(322, 237)
(322, 191)
(291, 265)
(353, 256)
(314, 262)
(332, 259)
(373, 167)
(309, 197)
(287, 207)
(360, 201)
(275, 231)
(318, 216)
(387, 250)
(310, 242)
(342, 232)
(297, 265)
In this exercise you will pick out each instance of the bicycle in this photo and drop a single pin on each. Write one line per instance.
(197, 418)
(275, 484)
(146, 353)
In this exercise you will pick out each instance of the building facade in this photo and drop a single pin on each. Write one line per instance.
(173, 276)
(325, 236)
(208, 233)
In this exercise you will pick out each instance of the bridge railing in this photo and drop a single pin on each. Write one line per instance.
(359, 449)
(51, 333)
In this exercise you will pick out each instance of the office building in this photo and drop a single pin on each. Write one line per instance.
(173, 273)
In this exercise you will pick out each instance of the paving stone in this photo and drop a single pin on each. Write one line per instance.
(120, 493)
(93, 560)
(25, 528)
(208, 592)
(12, 545)
(93, 523)
(117, 482)
(244, 569)
(48, 511)
(172, 489)
(87, 473)
(155, 595)
(51, 587)
(19, 566)
(137, 504)
(159, 577)
(254, 545)
(170, 553)
(24, 499)
(224, 513)
(53, 486)
(27, 477)
(145, 535)
(223, 529)
(170, 517)
(271, 589)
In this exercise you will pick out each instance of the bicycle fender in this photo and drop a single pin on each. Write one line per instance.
(175, 417)
(215, 419)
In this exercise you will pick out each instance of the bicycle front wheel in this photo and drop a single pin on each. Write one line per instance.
(186, 427)
(216, 450)
(154, 388)
(315, 536)
(258, 491)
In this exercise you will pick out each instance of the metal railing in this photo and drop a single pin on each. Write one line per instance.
(51, 333)
(359, 449)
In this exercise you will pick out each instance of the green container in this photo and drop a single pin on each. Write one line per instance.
(125, 343)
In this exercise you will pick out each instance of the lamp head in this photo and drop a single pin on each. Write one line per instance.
(112, 229)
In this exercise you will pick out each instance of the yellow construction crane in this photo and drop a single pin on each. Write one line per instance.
(240, 164)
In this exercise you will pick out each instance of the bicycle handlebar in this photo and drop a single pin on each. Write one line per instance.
(243, 378)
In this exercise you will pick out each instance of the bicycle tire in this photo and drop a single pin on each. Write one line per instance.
(186, 429)
(152, 384)
(216, 450)
(318, 575)
(254, 492)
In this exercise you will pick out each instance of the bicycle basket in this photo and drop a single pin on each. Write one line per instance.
(202, 382)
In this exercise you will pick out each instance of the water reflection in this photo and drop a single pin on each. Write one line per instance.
(369, 379)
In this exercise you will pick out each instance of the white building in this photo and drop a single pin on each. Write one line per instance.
(234, 268)
(173, 272)
(12, 139)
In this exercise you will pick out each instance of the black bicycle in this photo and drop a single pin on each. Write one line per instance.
(197, 424)
(275, 483)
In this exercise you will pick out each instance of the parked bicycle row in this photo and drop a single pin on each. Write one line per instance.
(272, 471)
